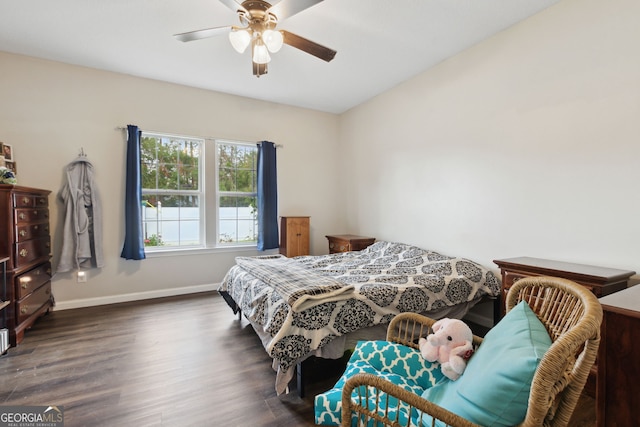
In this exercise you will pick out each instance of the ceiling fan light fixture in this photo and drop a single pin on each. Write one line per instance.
(260, 52)
(273, 40)
(240, 39)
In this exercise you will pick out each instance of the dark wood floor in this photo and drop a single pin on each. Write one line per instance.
(181, 361)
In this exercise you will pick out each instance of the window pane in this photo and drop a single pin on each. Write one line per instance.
(149, 175)
(168, 150)
(171, 220)
(171, 199)
(238, 221)
(188, 178)
(226, 179)
(244, 181)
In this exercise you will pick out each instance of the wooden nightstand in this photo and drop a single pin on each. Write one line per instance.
(348, 242)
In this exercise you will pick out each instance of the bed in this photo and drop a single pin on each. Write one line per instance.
(322, 305)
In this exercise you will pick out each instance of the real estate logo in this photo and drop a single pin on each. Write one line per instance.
(31, 416)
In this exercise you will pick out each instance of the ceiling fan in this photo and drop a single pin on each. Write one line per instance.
(259, 20)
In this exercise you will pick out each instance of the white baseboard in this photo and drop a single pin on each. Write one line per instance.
(136, 296)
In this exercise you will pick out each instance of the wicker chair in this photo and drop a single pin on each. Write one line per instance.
(572, 317)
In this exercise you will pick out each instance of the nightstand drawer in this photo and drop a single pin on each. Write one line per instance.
(348, 242)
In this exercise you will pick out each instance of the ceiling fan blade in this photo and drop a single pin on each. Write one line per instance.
(202, 34)
(234, 5)
(308, 46)
(287, 8)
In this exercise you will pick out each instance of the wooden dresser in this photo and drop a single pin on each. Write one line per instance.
(618, 385)
(25, 222)
(4, 304)
(294, 235)
(348, 242)
(599, 280)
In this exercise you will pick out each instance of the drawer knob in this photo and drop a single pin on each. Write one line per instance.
(25, 200)
(24, 310)
(35, 212)
(49, 271)
(23, 253)
(42, 201)
(22, 215)
(35, 227)
(23, 233)
(24, 282)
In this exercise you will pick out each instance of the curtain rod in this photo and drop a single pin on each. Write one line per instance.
(173, 134)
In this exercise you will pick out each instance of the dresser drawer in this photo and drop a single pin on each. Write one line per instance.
(31, 250)
(32, 279)
(29, 305)
(510, 278)
(26, 200)
(31, 231)
(24, 215)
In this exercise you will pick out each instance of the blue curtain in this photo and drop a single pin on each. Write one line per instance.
(267, 196)
(133, 243)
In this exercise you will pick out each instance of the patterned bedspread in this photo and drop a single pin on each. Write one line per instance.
(388, 278)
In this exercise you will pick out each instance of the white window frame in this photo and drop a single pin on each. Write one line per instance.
(219, 194)
(200, 193)
(209, 198)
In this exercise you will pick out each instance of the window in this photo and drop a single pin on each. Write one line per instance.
(176, 185)
(237, 194)
(172, 197)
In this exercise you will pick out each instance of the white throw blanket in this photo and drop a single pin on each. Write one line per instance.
(301, 287)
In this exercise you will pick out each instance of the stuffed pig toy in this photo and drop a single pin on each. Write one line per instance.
(451, 344)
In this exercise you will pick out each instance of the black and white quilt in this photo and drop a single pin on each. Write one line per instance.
(382, 280)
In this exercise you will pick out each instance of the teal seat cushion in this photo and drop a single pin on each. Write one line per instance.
(397, 363)
(494, 389)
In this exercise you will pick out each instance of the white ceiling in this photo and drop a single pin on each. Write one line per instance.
(380, 43)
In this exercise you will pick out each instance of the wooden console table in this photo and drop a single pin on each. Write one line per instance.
(618, 384)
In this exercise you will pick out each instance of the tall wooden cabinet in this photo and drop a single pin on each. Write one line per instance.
(24, 221)
(294, 235)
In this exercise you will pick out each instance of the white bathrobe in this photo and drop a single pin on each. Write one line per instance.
(82, 232)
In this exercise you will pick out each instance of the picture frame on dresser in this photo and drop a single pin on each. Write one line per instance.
(7, 152)
(11, 166)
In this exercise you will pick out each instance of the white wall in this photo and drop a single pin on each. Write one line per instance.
(524, 145)
(49, 111)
